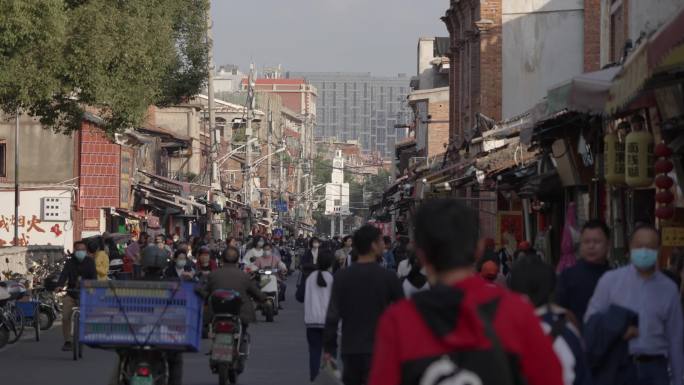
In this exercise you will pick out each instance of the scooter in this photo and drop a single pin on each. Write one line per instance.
(268, 283)
(230, 342)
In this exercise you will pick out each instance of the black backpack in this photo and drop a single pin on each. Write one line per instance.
(492, 366)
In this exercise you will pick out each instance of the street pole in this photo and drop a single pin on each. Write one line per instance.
(268, 167)
(213, 133)
(247, 179)
(16, 181)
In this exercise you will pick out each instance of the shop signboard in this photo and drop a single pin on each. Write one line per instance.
(673, 236)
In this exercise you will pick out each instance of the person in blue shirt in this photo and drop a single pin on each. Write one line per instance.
(576, 284)
(656, 345)
(388, 255)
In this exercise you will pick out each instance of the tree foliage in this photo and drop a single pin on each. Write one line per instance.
(118, 56)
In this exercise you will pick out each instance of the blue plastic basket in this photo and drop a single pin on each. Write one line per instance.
(27, 308)
(140, 313)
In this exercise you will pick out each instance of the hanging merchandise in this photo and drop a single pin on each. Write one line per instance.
(614, 157)
(664, 197)
(639, 167)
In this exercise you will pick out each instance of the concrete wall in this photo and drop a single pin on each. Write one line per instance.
(13, 259)
(426, 53)
(183, 121)
(44, 157)
(648, 16)
(431, 105)
(543, 45)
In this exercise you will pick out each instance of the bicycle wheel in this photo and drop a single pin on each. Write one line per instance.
(15, 323)
(75, 345)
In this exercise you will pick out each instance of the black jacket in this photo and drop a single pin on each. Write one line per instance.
(75, 271)
(607, 351)
(230, 277)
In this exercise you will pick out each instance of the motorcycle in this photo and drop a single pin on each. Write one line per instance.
(267, 280)
(230, 343)
(143, 366)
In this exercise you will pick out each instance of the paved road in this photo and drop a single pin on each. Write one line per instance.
(278, 356)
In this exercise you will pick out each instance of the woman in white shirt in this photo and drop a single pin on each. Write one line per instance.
(318, 287)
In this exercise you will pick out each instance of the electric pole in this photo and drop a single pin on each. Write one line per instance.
(247, 179)
(214, 134)
(268, 167)
(16, 181)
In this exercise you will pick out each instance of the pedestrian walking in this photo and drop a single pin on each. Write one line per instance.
(536, 279)
(576, 284)
(388, 255)
(416, 279)
(133, 253)
(316, 300)
(359, 296)
(343, 255)
(463, 330)
(656, 343)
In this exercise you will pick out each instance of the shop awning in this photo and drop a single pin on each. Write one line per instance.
(586, 93)
(663, 51)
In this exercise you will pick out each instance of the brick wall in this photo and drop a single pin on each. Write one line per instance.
(490, 61)
(592, 35)
(438, 133)
(99, 175)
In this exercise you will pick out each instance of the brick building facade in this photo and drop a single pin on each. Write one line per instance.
(99, 177)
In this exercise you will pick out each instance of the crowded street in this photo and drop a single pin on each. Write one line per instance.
(278, 355)
(342, 192)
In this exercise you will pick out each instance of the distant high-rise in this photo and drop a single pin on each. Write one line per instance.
(359, 106)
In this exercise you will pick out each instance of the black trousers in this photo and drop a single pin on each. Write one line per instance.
(356, 368)
(314, 336)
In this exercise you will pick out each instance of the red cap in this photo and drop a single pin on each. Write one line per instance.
(524, 245)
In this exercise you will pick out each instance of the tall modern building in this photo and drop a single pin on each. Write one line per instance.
(359, 106)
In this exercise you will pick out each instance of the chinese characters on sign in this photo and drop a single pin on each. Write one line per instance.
(673, 236)
(28, 225)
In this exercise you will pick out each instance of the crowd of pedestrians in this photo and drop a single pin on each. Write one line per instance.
(447, 308)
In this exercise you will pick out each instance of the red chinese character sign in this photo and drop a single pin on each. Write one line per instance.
(33, 229)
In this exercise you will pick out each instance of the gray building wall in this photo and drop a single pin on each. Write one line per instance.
(359, 106)
(44, 156)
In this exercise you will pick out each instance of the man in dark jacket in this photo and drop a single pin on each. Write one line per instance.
(230, 277)
(576, 284)
(80, 266)
(360, 293)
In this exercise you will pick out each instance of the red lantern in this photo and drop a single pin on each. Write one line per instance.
(664, 196)
(664, 182)
(663, 166)
(661, 150)
(665, 212)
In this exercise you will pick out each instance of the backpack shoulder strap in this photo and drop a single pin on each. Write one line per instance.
(557, 327)
(487, 314)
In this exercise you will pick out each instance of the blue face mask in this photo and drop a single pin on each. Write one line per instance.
(80, 254)
(643, 258)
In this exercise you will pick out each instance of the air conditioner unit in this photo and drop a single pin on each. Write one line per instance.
(416, 161)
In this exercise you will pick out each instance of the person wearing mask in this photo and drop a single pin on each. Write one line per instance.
(576, 284)
(463, 330)
(656, 344)
(270, 261)
(205, 264)
(160, 243)
(388, 260)
(78, 267)
(180, 268)
(310, 258)
(344, 254)
(133, 252)
(316, 300)
(256, 251)
(360, 294)
(536, 279)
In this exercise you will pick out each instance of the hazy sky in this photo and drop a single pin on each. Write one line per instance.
(378, 36)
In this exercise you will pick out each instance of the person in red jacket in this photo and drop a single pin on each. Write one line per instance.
(463, 330)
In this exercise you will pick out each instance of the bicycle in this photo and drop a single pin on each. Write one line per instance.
(13, 319)
(76, 345)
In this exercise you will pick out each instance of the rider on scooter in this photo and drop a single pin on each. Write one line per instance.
(270, 261)
(230, 277)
